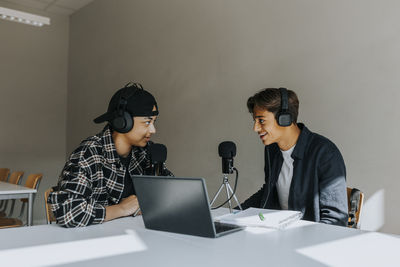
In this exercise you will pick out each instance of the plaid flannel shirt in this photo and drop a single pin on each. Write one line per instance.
(93, 178)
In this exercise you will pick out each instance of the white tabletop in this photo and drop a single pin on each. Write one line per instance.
(125, 242)
(7, 188)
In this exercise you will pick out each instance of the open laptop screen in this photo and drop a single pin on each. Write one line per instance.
(178, 205)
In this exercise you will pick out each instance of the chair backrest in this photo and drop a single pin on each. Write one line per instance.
(15, 177)
(355, 201)
(32, 181)
(49, 214)
(4, 174)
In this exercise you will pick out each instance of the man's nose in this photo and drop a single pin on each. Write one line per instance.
(256, 126)
(152, 129)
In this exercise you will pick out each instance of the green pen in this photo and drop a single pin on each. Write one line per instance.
(261, 216)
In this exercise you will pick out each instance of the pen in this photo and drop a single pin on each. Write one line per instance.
(261, 216)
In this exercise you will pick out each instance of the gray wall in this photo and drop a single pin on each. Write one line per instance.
(203, 59)
(33, 75)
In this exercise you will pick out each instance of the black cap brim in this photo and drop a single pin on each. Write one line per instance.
(102, 118)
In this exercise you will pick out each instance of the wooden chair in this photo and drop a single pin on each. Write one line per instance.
(4, 174)
(32, 181)
(355, 201)
(15, 178)
(49, 214)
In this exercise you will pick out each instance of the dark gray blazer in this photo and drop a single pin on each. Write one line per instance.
(318, 187)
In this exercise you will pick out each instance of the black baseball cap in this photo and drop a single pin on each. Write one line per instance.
(133, 99)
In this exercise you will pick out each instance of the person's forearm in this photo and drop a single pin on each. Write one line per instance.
(113, 212)
(126, 207)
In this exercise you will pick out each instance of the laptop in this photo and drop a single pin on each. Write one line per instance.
(178, 205)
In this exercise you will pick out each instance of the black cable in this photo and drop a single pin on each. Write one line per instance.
(269, 178)
(234, 190)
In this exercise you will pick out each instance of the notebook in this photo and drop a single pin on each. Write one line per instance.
(277, 219)
(178, 205)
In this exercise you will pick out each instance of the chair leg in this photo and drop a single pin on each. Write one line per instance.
(12, 208)
(22, 211)
(2, 212)
(4, 206)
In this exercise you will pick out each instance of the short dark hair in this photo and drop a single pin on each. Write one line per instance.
(270, 100)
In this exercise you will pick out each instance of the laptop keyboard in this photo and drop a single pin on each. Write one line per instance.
(222, 227)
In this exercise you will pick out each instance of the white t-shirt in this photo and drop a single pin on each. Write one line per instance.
(285, 178)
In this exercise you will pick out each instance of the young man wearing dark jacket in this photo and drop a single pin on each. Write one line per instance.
(96, 185)
(304, 171)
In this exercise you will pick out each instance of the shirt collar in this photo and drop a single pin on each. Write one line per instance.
(300, 148)
(138, 154)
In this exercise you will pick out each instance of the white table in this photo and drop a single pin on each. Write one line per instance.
(125, 242)
(12, 191)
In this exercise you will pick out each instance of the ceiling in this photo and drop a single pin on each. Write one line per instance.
(58, 7)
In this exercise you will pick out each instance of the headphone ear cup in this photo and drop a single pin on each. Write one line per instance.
(284, 119)
(122, 123)
(129, 122)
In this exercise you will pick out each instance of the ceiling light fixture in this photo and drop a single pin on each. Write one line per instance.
(23, 17)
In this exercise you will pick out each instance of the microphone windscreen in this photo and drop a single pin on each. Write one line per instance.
(227, 149)
(158, 153)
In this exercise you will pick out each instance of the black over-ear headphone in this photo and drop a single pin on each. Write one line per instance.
(284, 117)
(123, 121)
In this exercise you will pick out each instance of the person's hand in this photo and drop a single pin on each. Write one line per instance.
(129, 205)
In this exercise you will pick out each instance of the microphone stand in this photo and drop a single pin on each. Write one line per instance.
(228, 188)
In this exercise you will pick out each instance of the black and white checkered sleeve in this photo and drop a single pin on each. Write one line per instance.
(74, 204)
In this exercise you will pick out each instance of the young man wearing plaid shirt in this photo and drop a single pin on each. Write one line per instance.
(96, 185)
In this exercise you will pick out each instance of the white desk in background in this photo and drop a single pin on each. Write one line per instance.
(125, 242)
(13, 191)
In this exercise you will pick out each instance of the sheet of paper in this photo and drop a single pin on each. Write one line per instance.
(254, 217)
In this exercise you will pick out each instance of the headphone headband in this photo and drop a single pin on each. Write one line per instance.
(284, 99)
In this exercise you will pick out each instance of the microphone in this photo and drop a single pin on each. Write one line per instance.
(227, 150)
(158, 155)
